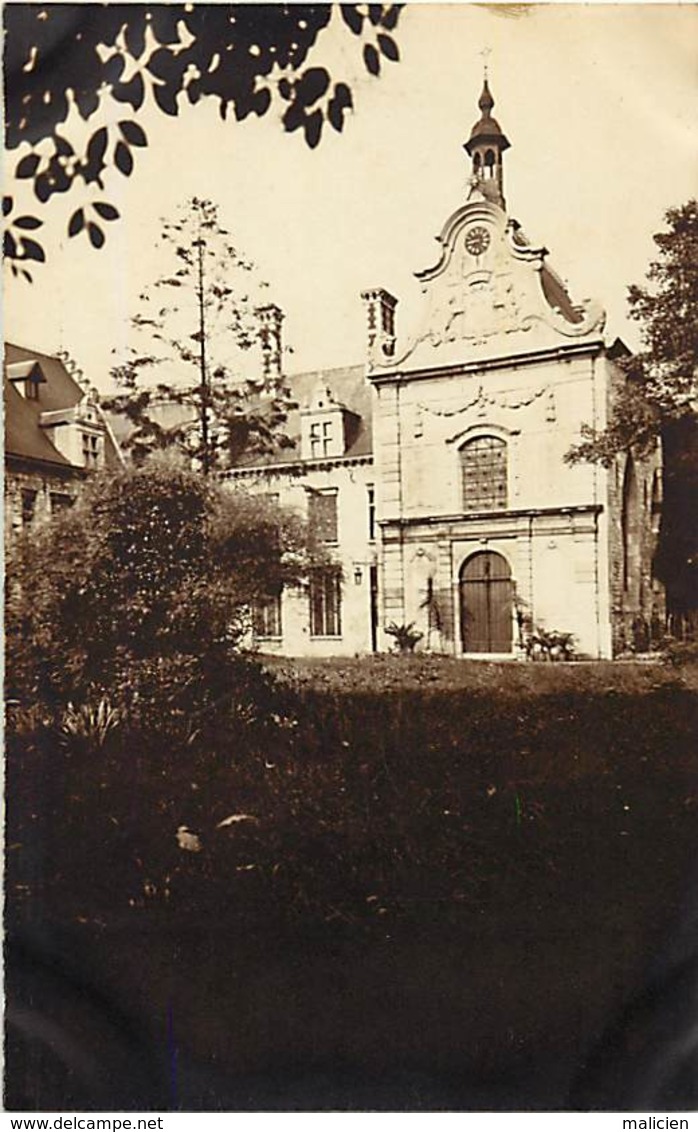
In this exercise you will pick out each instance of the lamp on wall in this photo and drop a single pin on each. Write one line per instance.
(358, 575)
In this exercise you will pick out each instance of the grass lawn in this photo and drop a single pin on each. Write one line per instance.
(449, 878)
(390, 672)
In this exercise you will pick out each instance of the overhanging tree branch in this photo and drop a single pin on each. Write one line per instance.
(94, 58)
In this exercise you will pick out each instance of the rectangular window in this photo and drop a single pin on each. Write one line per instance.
(320, 439)
(371, 513)
(90, 449)
(31, 390)
(28, 506)
(60, 501)
(315, 449)
(322, 515)
(267, 617)
(326, 603)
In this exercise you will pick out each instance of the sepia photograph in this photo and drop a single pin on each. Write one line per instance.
(351, 558)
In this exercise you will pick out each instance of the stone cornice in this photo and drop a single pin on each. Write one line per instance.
(563, 352)
(478, 516)
(298, 467)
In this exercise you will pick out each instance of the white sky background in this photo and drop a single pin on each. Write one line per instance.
(599, 104)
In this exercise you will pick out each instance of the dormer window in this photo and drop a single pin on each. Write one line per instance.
(328, 427)
(320, 439)
(26, 377)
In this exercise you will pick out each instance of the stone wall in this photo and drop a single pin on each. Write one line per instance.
(355, 552)
(32, 497)
(553, 532)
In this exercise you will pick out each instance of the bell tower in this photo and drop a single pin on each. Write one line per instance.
(485, 147)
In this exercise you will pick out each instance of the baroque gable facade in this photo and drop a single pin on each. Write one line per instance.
(440, 468)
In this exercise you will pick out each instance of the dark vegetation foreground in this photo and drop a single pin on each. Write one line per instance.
(416, 885)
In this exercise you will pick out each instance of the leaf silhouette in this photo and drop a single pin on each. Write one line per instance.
(32, 250)
(106, 211)
(312, 85)
(372, 59)
(42, 188)
(9, 247)
(28, 222)
(28, 166)
(97, 146)
(133, 133)
(340, 102)
(391, 17)
(389, 48)
(132, 92)
(123, 159)
(96, 235)
(313, 128)
(352, 18)
(77, 222)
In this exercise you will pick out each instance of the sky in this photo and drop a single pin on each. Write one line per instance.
(598, 101)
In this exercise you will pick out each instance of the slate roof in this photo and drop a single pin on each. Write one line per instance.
(557, 296)
(349, 387)
(24, 438)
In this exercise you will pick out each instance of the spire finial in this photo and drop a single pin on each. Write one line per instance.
(486, 101)
(486, 145)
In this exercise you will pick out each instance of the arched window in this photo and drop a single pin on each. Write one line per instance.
(489, 162)
(484, 471)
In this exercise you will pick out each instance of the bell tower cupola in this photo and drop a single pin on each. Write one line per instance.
(485, 147)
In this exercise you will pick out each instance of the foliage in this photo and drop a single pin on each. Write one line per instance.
(406, 636)
(435, 614)
(151, 563)
(634, 425)
(89, 723)
(111, 62)
(199, 322)
(659, 400)
(549, 644)
(661, 378)
(362, 806)
(678, 653)
(486, 817)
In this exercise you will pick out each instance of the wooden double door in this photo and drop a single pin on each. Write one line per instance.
(486, 601)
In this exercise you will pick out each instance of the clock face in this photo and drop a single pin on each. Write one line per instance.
(477, 241)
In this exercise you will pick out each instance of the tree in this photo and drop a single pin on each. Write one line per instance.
(202, 314)
(110, 61)
(659, 401)
(151, 565)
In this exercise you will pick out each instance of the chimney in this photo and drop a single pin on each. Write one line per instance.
(270, 319)
(380, 316)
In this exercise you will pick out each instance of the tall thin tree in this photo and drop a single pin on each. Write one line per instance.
(212, 318)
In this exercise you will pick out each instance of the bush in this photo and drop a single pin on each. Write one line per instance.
(549, 644)
(679, 653)
(151, 565)
(406, 636)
